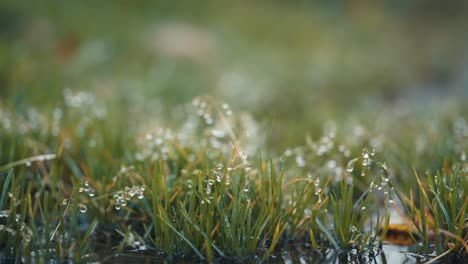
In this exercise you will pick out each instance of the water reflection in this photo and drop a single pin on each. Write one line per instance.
(293, 254)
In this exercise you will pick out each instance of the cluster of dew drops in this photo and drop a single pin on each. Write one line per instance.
(203, 110)
(318, 189)
(382, 182)
(85, 188)
(122, 197)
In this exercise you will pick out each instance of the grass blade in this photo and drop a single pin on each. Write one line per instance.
(183, 237)
(5, 188)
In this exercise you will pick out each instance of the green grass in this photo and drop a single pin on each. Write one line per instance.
(283, 126)
(194, 192)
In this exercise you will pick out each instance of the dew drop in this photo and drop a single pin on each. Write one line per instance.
(244, 155)
(28, 163)
(363, 208)
(82, 208)
(366, 162)
(365, 153)
(350, 166)
(219, 166)
(317, 182)
(300, 161)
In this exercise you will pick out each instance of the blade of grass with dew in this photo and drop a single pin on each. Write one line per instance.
(27, 160)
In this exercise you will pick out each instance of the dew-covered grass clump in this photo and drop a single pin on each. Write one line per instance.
(155, 135)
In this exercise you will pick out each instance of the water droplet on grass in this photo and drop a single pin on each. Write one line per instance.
(366, 162)
(300, 161)
(350, 166)
(243, 155)
(317, 182)
(365, 153)
(331, 164)
(82, 208)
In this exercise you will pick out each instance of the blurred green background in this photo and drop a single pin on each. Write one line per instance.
(289, 63)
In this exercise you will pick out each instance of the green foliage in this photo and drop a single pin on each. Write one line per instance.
(100, 146)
